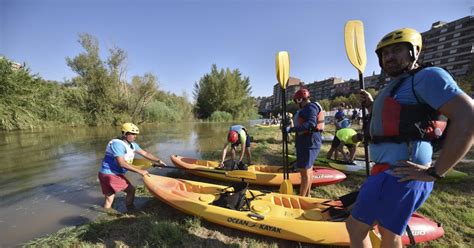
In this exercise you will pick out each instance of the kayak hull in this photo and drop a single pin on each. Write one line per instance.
(276, 215)
(265, 174)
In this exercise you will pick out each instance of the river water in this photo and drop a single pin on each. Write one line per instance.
(48, 178)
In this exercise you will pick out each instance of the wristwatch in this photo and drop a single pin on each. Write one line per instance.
(432, 172)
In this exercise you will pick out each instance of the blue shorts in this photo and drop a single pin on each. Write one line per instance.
(382, 198)
(305, 158)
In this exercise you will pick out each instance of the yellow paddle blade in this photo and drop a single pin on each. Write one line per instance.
(375, 239)
(241, 174)
(142, 164)
(355, 44)
(286, 187)
(283, 68)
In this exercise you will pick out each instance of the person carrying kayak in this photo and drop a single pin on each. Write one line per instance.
(236, 136)
(405, 123)
(309, 123)
(118, 159)
(349, 138)
(340, 121)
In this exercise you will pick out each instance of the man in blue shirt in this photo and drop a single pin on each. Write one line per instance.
(118, 159)
(401, 141)
(308, 125)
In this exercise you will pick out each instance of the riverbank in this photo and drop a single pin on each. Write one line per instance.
(156, 224)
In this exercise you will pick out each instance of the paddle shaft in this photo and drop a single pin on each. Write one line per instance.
(364, 128)
(176, 168)
(286, 175)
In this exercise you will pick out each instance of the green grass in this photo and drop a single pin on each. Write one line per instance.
(158, 225)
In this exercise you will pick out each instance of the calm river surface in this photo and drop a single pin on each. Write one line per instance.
(48, 178)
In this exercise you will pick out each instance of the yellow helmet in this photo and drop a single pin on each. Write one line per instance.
(130, 128)
(406, 35)
(290, 115)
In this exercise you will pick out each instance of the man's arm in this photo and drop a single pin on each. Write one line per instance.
(150, 156)
(459, 139)
(460, 133)
(121, 161)
(224, 153)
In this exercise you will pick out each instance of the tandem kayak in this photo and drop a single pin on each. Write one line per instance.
(271, 175)
(290, 217)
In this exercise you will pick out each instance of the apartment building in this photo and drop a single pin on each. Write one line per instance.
(450, 45)
(292, 86)
(322, 89)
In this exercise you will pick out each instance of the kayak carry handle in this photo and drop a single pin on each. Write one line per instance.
(256, 216)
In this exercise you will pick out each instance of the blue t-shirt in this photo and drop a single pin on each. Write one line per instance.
(344, 123)
(433, 86)
(116, 149)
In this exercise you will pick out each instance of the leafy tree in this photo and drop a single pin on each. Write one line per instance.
(326, 104)
(143, 91)
(94, 80)
(102, 92)
(21, 105)
(225, 91)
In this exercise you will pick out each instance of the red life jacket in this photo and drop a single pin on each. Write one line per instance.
(319, 120)
(408, 122)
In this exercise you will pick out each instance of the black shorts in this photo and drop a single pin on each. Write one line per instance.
(336, 142)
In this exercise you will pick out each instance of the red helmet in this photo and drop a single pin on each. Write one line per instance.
(301, 94)
(233, 136)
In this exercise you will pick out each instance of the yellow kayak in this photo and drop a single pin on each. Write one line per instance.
(290, 217)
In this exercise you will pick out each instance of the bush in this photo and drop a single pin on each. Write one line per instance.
(220, 116)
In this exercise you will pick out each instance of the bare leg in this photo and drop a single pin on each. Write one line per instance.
(232, 153)
(358, 233)
(249, 155)
(390, 239)
(109, 199)
(305, 185)
(330, 152)
(130, 190)
(336, 154)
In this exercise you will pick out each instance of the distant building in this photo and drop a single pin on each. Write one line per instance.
(450, 45)
(292, 86)
(345, 88)
(323, 89)
(372, 81)
(264, 105)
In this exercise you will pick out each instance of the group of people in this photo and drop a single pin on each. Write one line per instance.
(400, 141)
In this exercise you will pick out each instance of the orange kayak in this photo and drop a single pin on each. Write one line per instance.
(271, 175)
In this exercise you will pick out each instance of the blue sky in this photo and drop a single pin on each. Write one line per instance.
(178, 41)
